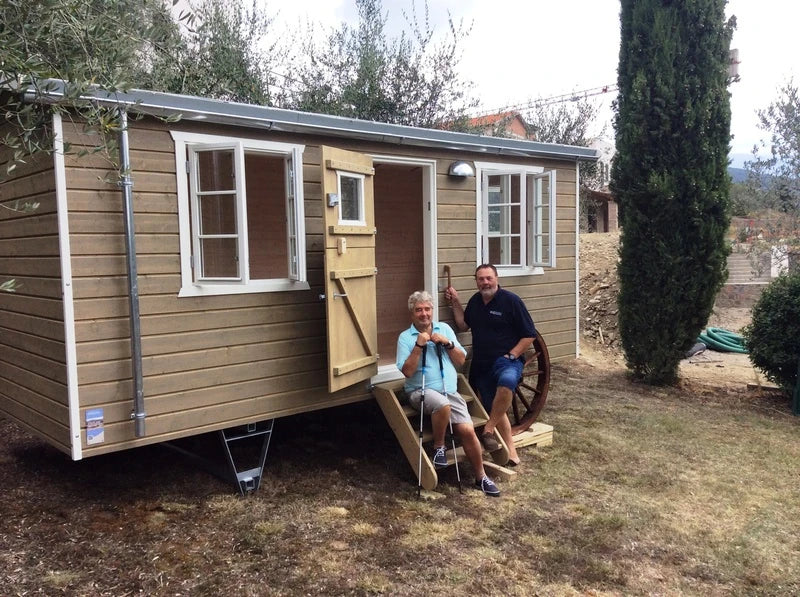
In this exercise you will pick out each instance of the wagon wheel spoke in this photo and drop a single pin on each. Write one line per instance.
(520, 400)
(515, 408)
(527, 386)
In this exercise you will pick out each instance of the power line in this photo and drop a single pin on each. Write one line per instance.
(573, 96)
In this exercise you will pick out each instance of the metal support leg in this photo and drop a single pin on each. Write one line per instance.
(233, 437)
(249, 479)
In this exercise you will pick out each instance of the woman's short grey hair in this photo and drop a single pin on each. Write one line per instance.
(420, 296)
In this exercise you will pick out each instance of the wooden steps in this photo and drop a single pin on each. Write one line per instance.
(404, 422)
(538, 434)
(427, 432)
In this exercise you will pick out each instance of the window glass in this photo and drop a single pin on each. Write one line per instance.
(217, 214)
(504, 212)
(291, 218)
(351, 200)
(543, 223)
(216, 171)
(219, 258)
(216, 222)
(267, 232)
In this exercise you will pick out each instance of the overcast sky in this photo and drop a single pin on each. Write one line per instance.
(527, 49)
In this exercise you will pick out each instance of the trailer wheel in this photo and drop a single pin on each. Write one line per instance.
(531, 392)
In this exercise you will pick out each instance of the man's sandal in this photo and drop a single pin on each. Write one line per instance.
(490, 442)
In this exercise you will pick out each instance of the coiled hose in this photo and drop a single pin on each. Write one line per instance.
(722, 340)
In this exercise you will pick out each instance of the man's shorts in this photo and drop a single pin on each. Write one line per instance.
(434, 401)
(504, 372)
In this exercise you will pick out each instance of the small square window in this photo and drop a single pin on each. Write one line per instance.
(351, 199)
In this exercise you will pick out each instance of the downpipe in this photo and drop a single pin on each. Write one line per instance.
(126, 184)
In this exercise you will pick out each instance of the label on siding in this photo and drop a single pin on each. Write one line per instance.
(95, 432)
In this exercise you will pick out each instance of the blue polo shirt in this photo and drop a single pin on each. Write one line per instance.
(433, 375)
(496, 327)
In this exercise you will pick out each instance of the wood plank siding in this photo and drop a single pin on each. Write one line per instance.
(550, 297)
(211, 362)
(33, 385)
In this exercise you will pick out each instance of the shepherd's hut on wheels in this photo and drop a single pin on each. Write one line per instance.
(254, 262)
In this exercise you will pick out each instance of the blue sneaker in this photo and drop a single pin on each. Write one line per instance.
(487, 486)
(440, 457)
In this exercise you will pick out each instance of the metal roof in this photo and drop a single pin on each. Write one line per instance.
(266, 118)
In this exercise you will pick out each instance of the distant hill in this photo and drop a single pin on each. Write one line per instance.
(738, 159)
(737, 174)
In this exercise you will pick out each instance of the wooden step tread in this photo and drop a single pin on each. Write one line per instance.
(538, 434)
(427, 434)
(498, 473)
(462, 457)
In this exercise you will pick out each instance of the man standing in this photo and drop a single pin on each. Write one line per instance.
(502, 330)
(441, 401)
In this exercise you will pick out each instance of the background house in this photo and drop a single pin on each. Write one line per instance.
(601, 210)
(503, 124)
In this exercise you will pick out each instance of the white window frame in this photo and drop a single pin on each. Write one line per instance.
(531, 206)
(362, 221)
(240, 234)
(189, 242)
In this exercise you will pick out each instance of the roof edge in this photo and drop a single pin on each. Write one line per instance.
(268, 118)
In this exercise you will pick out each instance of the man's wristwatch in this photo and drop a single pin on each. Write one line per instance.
(510, 356)
(450, 346)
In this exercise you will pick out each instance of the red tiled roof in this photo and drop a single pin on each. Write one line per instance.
(491, 119)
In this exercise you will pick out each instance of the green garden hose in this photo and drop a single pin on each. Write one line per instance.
(722, 340)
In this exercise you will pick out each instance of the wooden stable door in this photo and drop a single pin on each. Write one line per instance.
(350, 272)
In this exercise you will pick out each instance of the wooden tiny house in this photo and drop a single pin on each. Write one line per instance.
(273, 254)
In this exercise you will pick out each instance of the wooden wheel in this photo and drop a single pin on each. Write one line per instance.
(531, 393)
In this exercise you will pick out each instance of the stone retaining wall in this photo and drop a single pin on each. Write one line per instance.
(739, 295)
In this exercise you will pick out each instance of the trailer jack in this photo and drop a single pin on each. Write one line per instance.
(248, 479)
(239, 444)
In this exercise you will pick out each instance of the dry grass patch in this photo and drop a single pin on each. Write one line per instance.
(59, 579)
(680, 491)
(364, 529)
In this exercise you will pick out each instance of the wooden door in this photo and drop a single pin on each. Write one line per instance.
(350, 273)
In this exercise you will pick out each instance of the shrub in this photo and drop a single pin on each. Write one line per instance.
(773, 336)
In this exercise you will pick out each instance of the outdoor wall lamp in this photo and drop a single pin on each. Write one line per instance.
(461, 169)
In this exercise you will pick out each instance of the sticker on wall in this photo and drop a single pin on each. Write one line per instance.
(95, 432)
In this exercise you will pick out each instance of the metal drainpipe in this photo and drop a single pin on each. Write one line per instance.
(126, 184)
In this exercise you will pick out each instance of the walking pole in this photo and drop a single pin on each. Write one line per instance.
(421, 414)
(452, 437)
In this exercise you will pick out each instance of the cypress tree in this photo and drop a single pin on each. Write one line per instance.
(670, 177)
